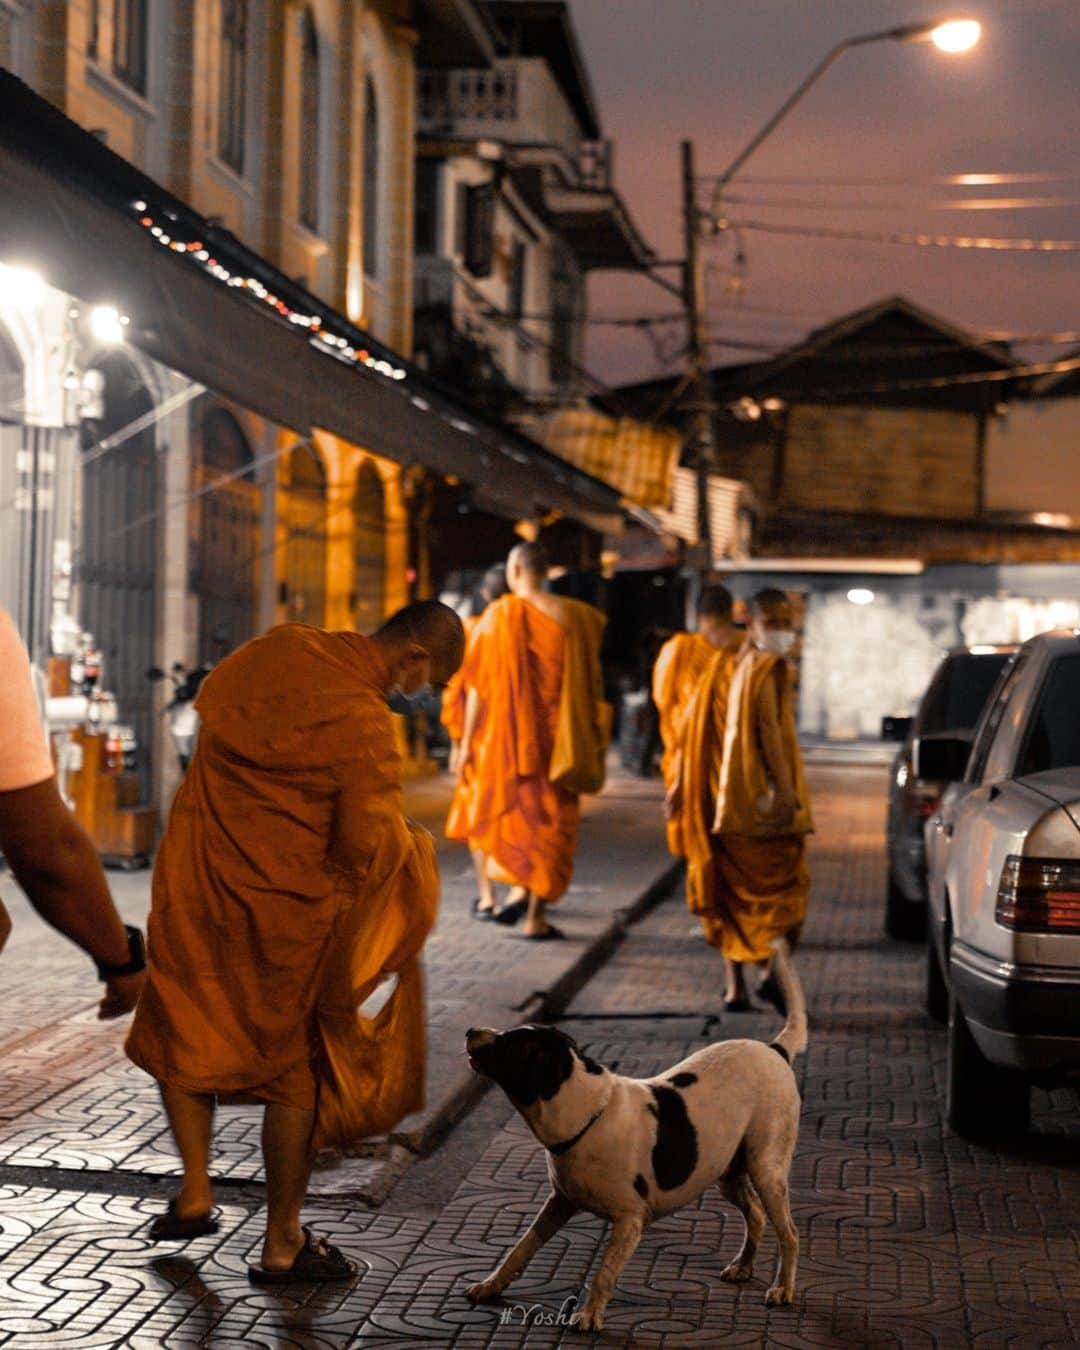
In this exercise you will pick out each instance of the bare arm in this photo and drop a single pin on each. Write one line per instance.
(53, 860)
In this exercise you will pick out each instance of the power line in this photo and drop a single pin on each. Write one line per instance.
(974, 242)
(913, 203)
(938, 180)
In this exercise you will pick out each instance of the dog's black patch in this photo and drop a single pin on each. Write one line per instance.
(641, 1186)
(675, 1153)
(529, 1063)
(683, 1079)
(591, 1065)
(780, 1051)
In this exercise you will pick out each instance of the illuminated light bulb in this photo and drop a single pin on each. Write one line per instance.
(957, 35)
(156, 231)
(146, 220)
(860, 595)
(139, 206)
(106, 324)
(21, 287)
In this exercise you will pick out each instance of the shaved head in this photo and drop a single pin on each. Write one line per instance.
(531, 558)
(434, 627)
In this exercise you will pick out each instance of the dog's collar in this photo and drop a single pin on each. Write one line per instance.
(557, 1150)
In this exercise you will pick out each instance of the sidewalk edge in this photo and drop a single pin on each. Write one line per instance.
(543, 1006)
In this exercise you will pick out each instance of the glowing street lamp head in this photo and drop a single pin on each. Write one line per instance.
(956, 35)
(20, 287)
(107, 324)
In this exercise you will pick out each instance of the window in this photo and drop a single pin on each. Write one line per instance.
(959, 692)
(426, 231)
(564, 306)
(231, 84)
(516, 296)
(371, 180)
(129, 43)
(1053, 738)
(479, 227)
(309, 124)
(984, 766)
(93, 30)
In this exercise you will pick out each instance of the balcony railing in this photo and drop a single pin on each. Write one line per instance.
(449, 96)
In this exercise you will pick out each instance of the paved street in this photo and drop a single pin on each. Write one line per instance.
(910, 1236)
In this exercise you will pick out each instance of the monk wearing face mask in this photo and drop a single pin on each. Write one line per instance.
(288, 885)
(748, 850)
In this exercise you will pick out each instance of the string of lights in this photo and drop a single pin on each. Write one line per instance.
(915, 240)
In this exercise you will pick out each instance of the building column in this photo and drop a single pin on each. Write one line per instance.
(266, 476)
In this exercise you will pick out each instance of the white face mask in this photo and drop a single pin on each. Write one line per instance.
(778, 641)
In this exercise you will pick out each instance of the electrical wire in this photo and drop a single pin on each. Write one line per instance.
(936, 179)
(912, 203)
(917, 240)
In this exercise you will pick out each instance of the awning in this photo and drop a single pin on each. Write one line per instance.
(203, 304)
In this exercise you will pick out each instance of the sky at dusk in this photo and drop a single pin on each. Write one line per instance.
(892, 120)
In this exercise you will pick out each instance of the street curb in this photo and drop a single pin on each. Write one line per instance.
(544, 1005)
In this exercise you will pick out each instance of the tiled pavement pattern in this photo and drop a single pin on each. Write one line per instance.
(69, 1098)
(910, 1237)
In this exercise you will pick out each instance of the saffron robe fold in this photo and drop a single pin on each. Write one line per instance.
(288, 885)
(524, 823)
(748, 882)
(455, 693)
(680, 665)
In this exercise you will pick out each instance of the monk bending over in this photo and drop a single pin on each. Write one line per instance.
(534, 738)
(287, 887)
(741, 803)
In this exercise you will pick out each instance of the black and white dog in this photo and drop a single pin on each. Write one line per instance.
(632, 1149)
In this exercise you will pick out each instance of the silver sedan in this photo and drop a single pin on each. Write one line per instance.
(1003, 857)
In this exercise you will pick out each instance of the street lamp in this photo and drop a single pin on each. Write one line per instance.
(952, 35)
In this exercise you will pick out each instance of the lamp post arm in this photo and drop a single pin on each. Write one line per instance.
(907, 32)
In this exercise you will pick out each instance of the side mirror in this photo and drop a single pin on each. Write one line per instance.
(895, 728)
(941, 759)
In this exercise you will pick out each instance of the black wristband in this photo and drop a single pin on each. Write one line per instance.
(136, 957)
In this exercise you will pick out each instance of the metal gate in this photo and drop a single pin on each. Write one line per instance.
(226, 569)
(305, 549)
(116, 558)
(369, 549)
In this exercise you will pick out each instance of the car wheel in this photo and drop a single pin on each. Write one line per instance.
(902, 918)
(984, 1103)
(937, 992)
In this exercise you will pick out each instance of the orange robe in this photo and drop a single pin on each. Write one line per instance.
(455, 693)
(525, 823)
(680, 665)
(748, 883)
(287, 886)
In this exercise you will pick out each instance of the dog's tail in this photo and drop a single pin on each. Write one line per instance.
(792, 1040)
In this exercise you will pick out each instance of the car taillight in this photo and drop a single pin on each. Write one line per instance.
(1039, 895)
(927, 799)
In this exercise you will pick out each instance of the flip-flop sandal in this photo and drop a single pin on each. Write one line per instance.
(550, 934)
(317, 1262)
(509, 914)
(170, 1227)
(484, 913)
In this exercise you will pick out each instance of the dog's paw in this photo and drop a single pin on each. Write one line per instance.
(776, 1294)
(737, 1273)
(590, 1319)
(483, 1292)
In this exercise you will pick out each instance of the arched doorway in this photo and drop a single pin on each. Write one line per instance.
(369, 549)
(116, 554)
(305, 549)
(225, 577)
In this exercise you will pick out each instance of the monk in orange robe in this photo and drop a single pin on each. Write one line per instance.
(535, 736)
(744, 803)
(492, 586)
(680, 666)
(288, 885)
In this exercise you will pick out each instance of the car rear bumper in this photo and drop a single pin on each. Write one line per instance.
(1022, 1017)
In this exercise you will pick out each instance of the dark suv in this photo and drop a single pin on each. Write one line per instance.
(949, 709)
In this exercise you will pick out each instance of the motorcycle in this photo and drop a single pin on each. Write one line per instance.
(180, 709)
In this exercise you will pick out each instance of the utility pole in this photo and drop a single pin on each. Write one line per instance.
(699, 401)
